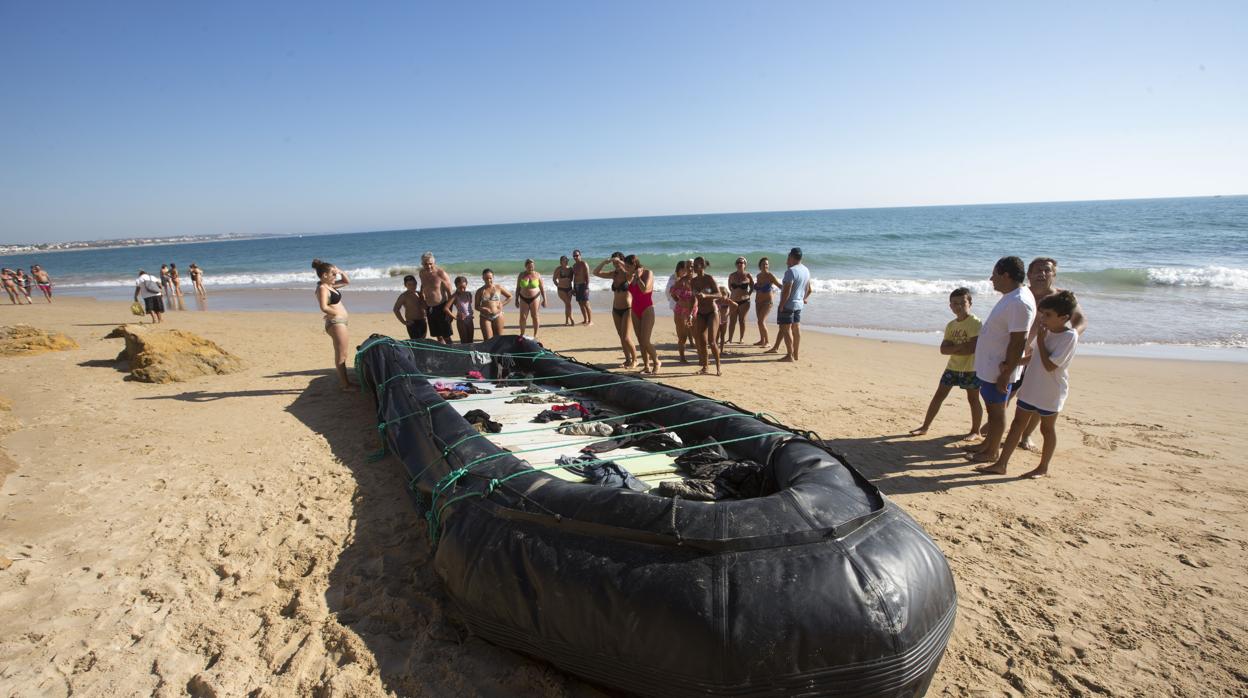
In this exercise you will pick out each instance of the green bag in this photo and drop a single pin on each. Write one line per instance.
(137, 308)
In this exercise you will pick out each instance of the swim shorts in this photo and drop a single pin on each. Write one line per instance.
(1028, 407)
(581, 292)
(439, 322)
(991, 395)
(416, 329)
(154, 304)
(959, 379)
(789, 317)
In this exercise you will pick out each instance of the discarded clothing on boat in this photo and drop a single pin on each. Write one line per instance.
(532, 399)
(713, 477)
(603, 473)
(586, 429)
(626, 435)
(482, 418)
(574, 409)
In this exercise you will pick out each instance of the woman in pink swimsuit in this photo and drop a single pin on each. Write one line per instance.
(641, 288)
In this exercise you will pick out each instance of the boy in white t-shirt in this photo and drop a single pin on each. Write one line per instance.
(959, 344)
(1043, 394)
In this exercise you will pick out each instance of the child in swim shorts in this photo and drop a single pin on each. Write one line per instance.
(959, 344)
(1043, 395)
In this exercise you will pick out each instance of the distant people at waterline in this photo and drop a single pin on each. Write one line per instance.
(197, 280)
(329, 300)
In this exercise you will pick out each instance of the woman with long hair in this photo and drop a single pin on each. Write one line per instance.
(641, 290)
(680, 300)
(765, 284)
(563, 285)
(329, 298)
(620, 303)
(706, 320)
(740, 286)
(489, 303)
(529, 291)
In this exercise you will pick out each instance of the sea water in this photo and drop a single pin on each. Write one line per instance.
(1169, 272)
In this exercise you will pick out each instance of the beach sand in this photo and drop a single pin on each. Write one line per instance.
(229, 536)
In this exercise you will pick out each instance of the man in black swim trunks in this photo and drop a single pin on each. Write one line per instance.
(580, 287)
(436, 291)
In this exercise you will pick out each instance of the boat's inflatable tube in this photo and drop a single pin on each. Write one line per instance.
(823, 587)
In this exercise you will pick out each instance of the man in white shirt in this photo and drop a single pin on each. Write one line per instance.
(999, 351)
(148, 287)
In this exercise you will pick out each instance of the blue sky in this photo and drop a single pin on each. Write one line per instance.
(121, 119)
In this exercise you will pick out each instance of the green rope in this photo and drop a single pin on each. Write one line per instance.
(434, 515)
(381, 386)
(548, 427)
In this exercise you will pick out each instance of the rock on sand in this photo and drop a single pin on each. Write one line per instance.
(167, 356)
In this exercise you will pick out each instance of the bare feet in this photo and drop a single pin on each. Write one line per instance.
(786, 358)
(982, 457)
(1027, 445)
(974, 448)
(772, 351)
(1037, 473)
(702, 371)
(657, 365)
(991, 469)
(918, 432)
(972, 436)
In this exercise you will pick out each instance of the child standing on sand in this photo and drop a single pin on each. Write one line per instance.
(411, 310)
(959, 344)
(1043, 394)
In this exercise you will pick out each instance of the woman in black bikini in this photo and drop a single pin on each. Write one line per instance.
(330, 301)
(764, 285)
(740, 286)
(563, 284)
(620, 304)
(530, 290)
(706, 320)
(489, 305)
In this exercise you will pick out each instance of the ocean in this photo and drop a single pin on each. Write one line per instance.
(1165, 274)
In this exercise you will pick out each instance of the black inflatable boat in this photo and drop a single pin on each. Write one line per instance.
(821, 586)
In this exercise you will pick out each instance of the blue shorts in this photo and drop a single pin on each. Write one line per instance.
(991, 395)
(581, 292)
(959, 379)
(1028, 407)
(789, 317)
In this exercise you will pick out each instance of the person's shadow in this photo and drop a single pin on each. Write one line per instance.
(384, 586)
(905, 464)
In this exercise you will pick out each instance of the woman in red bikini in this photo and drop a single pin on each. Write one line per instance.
(682, 305)
(641, 288)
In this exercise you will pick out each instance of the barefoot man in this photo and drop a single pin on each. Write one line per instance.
(436, 291)
(793, 296)
(580, 287)
(999, 351)
(1041, 275)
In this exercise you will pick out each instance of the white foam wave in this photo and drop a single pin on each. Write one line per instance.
(914, 287)
(1204, 277)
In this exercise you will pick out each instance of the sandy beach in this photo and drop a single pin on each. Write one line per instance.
(229, 536)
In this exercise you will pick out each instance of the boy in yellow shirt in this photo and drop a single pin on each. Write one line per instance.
(959, 345)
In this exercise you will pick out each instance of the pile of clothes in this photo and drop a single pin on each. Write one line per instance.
(455, 391)
(713, 476)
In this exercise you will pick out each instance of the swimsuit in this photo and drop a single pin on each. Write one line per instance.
(684, 298)
(464, 305)
(763, 288)
(334, 296)
(642, 300)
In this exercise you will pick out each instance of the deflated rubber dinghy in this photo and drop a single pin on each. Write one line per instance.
(820, 586)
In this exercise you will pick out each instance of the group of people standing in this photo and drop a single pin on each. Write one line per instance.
(436, 307)
(19, 284)
(1021, 352)
(166, 291)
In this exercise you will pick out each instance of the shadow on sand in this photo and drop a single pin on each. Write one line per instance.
(383, 585)
(905, 464)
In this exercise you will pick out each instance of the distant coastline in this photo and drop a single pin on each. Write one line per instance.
(124, 242)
